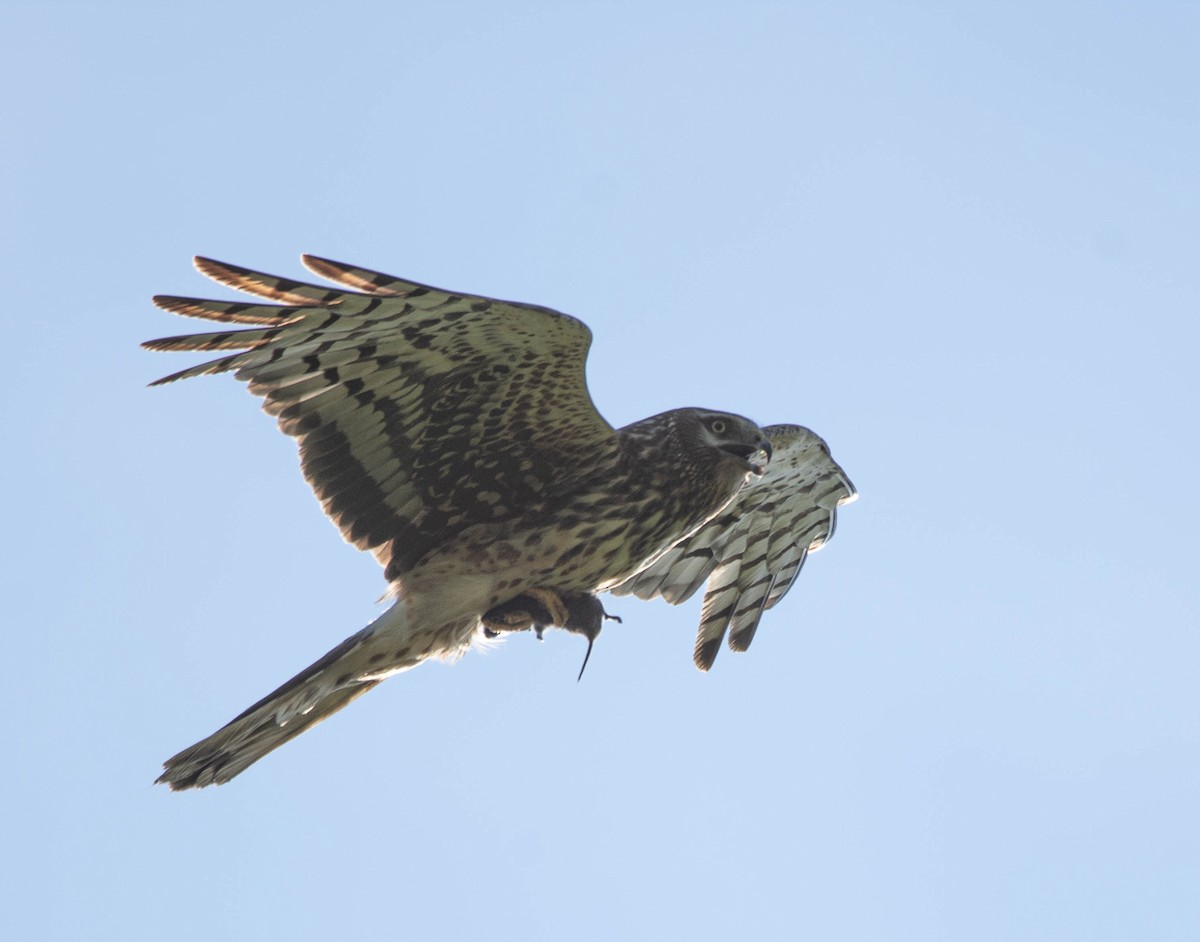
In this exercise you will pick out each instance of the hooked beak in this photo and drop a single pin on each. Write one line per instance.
(747, 452)
(764, 447)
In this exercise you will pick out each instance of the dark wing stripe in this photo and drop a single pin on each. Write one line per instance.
(745, 621)
(748, 588)
(223, 365)
(277, 399)
(719, 602)
(258, 366)
(223, 340)
(705, 653)
(360, 279)
(789, 569)
(230, 312)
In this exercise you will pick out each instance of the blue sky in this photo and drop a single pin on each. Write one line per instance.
(959, 241)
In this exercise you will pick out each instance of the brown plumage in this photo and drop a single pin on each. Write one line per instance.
(452, 436)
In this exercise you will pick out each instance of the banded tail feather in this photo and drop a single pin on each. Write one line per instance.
(387, 646)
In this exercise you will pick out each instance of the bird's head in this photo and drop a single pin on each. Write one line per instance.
(735, 435)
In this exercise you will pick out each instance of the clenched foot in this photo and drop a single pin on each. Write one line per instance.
(578, 612)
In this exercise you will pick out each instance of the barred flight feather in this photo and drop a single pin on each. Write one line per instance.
(271, 287)
(791, 561)
(751, 553)
(226, 340)
(367, 281)
(273, 315)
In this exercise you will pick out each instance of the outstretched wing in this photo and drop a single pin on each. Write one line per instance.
(752, 552)
(419, 412)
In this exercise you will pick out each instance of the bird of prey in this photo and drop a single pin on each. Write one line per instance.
(453, 436)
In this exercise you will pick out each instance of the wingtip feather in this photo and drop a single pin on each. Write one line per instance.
(705, 652)
(357, 278)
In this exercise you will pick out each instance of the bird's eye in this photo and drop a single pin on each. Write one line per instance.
(718, 426)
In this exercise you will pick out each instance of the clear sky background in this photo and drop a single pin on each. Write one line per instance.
(958, 240)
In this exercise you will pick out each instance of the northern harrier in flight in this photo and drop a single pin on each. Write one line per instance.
(453, 436)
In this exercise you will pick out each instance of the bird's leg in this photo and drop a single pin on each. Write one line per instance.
(578, 612)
